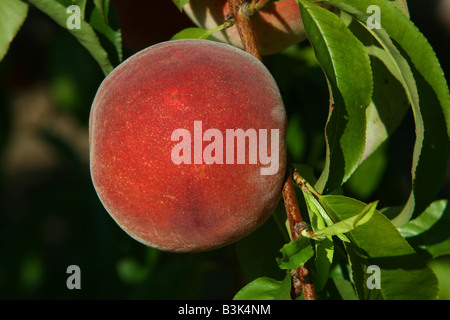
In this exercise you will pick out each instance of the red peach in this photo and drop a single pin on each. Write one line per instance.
(160, 197)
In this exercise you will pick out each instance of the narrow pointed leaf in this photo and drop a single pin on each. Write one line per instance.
(265, 288)
(193, 33)
(322, 262)
(111, 35)
(346, 65)
(179, 3)
(348, 224)
(295, 254)
(317, 214)
(430, 230)
(12, 15)
(392, 78)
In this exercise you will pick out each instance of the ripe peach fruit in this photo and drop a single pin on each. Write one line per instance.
(193, 94)
(277, 26)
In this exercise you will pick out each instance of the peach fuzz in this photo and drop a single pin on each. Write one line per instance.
(168, 86)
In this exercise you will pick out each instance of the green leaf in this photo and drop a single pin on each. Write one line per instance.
(348, 224)
(324, 249)
(431, 115)
(402, 5)
(400, 69)
(430, 230)
(360, 277)
(346, 65)
(317, 214)
(377, 242)
(79, 3)
(391, 76)
(110, 38)
(180, 4)
(441, 267)
(345, 289)
(322, 262)
(12, 15)
(193, 33)
(266, 289)
(86, 35)
(103, 7)
(295, 253)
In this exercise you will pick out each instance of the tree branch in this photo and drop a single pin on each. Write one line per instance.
(244, 26)
(302, 280)
(241, 12)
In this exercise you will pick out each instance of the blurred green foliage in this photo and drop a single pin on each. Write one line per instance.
(51, 218)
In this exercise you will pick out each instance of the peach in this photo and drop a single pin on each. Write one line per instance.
(277, 26)
(187, 145)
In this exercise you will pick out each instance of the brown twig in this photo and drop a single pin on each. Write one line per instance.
(301, 278)
(292, 210)
(244, 26)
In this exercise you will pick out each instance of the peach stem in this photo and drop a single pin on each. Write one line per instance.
(302, 280)
(244, 26)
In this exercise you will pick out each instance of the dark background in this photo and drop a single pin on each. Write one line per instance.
(50, 216)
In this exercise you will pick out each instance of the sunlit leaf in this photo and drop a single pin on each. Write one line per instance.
(346, 65)
(348, 224)
(266, 289)
(180, 3)
(296, 253)
(12, 15)
(194, 33)
(430, 230)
